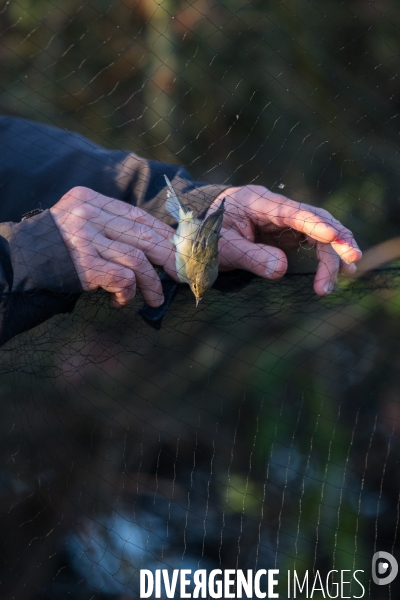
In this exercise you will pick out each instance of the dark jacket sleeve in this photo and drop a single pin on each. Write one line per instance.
(38, 165)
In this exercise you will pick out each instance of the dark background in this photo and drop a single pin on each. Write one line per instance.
(263, 429)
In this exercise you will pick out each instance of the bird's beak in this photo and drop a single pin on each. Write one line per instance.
(197, 301)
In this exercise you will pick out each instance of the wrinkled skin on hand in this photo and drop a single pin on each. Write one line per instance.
(254, 214)
(114, 245)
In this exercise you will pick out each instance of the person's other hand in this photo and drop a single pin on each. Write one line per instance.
(253, 213)
(111, 244)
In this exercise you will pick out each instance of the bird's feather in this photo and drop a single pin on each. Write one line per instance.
(173, 204)
(209, 230)
(183, 240)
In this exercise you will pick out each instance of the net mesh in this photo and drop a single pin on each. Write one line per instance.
(261, 430)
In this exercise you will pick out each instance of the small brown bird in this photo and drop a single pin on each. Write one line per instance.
(196, 243)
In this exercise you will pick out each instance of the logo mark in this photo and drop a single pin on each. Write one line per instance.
(385, 564)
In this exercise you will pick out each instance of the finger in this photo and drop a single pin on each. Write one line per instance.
(328, 267)
(345, 268)
(348, 269)
(237, 252)
(323, 229)
(133, 214)
(128, 231)
(344, 246)
(113, 278)
(91, 204)
(312, 221)
(159, 249)
(120, 299)
(145, 274)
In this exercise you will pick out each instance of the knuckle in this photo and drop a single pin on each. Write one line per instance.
(78, 192)
(147, 236)
(137, 257)
(79, 202)
(258, 190)
(140, 216)
(82, 211)
(252, 187)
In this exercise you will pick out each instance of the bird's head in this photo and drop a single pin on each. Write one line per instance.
(202, 282)
(198, 289)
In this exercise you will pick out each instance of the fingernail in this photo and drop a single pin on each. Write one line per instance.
(271, 265)
(329, 287)
(352, 268)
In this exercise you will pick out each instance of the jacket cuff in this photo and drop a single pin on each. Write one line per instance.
(39, 257)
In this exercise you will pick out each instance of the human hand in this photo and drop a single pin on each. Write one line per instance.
(111, 244)
(254, 213)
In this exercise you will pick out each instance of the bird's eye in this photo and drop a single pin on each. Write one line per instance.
(195, 285)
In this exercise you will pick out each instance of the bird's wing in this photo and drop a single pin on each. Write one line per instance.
(209, 230)
(173, 204)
